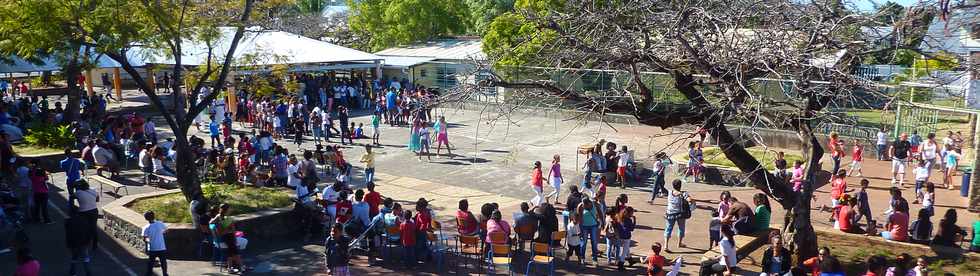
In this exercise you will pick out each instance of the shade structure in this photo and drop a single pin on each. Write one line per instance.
(15, 64)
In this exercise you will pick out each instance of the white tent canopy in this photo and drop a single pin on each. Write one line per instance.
(261, 48)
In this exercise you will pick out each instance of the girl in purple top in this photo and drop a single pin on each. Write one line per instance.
(797, 176)
(555, 177)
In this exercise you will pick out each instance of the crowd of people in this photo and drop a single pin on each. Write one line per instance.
(353, 214)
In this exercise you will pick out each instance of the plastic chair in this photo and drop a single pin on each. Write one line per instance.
(438, 248)
(500, 254)
(541, 254)
(557, 238)
(524, 233)
(468, 247)
(391, 240)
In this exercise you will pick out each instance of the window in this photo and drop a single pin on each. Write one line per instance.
(445, 76)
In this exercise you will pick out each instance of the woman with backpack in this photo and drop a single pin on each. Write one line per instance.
(679, 207)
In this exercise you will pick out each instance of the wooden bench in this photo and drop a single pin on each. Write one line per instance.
(161, 180)
(745, 244)
(116, 186)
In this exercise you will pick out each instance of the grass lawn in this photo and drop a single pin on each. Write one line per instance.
(31, 150)
(878, 118)
(714, 156)
(173, 208)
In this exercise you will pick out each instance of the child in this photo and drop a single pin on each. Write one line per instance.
(407, 234)
(376, 128)
(655, 262)
(359, 131)
(573, 236)
(714, 230)
(837, 190)
(156, 247)
(921, 176)
(921, 228)
(337, 254)
(857, 155)
(921, 267)
(928, 197)
(797, 176)
(243, 168)
(864, 206)
(952, 160)
(780, 164)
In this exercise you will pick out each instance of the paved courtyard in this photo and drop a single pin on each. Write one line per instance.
(491, 163)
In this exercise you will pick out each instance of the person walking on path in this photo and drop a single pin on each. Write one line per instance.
(659, 170)
(679, 207)
(80, 239)
(554, 175)
(588, 216)
(881, 142)
(537, 184)
(156, 247)
(836, 151)
(39, 183)
(368, 159)
(424, 144)
(900, 152)
(442, 136)
(930, 152)
(73, 168)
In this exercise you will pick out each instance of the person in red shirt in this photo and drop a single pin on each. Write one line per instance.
(243, 167)
(655, 262)
(407, 232)
(813, 263)
(836, 147)
(837, 189)
(466, 223)
(343, 208)
(857, 156)
(373, 199)
(537, 183)
(846, 215)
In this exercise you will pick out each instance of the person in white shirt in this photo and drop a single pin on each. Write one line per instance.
(293, 179)
(145, 159)
(930, 151)
(727, 263)
(156, 246)
(622, 166)
(921, 177)
(573, 236)
(104, 157)
(881, 143)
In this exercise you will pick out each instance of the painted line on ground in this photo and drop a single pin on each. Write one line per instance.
(129, 271)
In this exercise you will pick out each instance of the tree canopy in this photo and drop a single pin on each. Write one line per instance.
(386, 23)
(483, 12)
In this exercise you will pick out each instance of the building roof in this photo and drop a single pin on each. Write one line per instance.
(953, 35)
(404, 62)
(19, 65)
(456, 49)
(261, 48)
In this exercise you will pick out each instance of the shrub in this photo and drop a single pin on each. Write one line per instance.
(50, 136)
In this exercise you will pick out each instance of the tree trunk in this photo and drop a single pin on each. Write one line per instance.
(74, 94)
(190, 184)
(797, 226)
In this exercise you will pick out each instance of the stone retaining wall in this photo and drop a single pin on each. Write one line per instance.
(183, 239)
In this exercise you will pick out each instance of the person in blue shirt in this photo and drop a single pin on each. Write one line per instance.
(214, 131)
(391, 104)
(73, 169)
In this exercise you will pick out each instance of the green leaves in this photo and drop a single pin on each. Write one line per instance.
(387, 23)
(50, 136)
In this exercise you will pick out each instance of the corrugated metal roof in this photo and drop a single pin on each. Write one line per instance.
(459, 49)
(404, 62)
(953, 35)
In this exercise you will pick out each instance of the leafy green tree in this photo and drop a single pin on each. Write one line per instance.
(513, 40)
(483, 12)
(387, 23)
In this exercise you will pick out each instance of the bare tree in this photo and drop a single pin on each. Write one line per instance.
(714, 54)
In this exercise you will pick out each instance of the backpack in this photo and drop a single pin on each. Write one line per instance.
(685, 207)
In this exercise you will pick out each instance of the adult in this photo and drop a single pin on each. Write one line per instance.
(156, 245)
(626, 222)
(846, 218)
(159, 167)
(975, 242)
(949, 233)
(679, 207)
(921, 229)
(547, 222)
(106, 158)
(816, 264)
(881, 143)
(897, 224)
(73, 168)
(522, 220)
(87, 200)
(762, 212)
(495, 225)
(39, 184)
(741, 217)
(588, 216)
(900, 151)
(930, 151)
(776, 260)
(224, 228)
(79, 237)
(361, 214)
(571, 204)
(466, 223)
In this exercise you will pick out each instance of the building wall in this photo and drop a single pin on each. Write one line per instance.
(439, 74)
